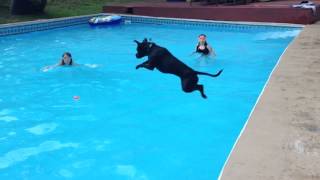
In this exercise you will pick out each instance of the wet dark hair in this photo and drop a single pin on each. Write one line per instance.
(68, 54)
(202, 35)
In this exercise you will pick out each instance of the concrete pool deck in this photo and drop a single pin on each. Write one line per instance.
(281, 140)
(280, 11)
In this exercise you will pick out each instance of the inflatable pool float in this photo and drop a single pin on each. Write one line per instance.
(105, 20)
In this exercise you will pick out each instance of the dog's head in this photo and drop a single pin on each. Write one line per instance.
(143, 48)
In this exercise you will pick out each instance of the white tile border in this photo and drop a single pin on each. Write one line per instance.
(222, 22)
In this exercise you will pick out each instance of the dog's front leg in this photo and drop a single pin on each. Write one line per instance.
(146, 65)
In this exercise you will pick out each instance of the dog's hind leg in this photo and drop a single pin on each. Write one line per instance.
(190, 84)
(200, 88)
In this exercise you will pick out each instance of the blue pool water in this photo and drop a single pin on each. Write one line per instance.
(128, 123)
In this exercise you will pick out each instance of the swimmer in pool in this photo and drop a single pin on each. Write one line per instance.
(203, 47)
(66, 60)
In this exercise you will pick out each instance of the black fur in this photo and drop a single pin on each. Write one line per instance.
(161, 59)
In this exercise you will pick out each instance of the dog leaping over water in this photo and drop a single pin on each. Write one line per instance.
(161, 59)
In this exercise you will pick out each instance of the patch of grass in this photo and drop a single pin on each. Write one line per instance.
(6, 17)
(61, 8)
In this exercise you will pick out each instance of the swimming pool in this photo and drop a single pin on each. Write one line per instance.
(128, 124)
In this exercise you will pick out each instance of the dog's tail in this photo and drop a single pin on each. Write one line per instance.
(212, 75)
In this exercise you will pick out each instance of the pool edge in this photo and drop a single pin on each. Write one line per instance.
(254, 107)
(271, 145)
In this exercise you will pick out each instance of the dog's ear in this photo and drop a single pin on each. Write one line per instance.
(136, 42)
(145, 40)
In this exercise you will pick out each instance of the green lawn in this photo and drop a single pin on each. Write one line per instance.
(61, 8)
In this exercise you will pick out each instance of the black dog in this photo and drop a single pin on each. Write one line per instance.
(164, 61)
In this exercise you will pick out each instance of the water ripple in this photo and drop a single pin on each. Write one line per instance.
(8, 118)
(131, 172)
(22, 154)
(42, 128)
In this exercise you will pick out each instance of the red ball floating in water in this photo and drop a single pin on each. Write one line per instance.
(76, 97)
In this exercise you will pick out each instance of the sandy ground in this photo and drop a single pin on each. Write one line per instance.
(282, 138)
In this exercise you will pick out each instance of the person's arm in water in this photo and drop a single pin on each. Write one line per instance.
(211, 51)
(195, 51)
(47, 68)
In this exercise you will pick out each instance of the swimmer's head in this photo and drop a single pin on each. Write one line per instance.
(66, 59)
(202, 38)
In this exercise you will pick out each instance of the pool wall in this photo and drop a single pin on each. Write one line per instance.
(41, 25)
